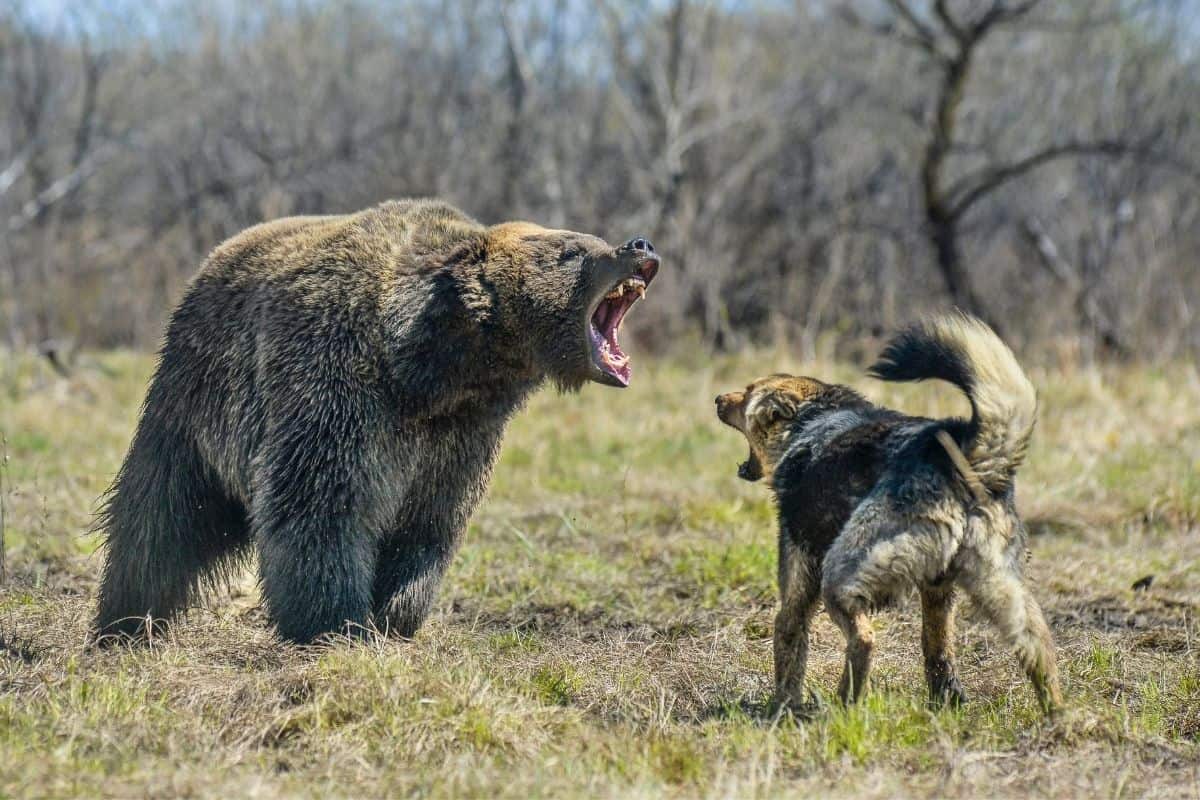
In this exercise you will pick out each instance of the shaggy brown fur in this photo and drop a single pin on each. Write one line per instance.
(333, 390)
(871, 504)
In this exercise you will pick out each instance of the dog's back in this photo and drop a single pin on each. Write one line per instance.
(835, 457)
(840, 449)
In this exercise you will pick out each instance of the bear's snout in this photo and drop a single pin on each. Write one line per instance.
(640, 244)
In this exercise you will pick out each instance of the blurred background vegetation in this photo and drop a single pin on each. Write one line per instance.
(815, 171)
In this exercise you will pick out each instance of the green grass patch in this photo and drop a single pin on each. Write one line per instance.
(606, 628)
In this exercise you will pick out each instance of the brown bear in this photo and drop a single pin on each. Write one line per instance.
(334, 390)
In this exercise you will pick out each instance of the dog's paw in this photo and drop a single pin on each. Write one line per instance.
(948, 694)
(800, 709)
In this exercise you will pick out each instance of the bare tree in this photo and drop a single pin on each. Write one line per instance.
(951, 40)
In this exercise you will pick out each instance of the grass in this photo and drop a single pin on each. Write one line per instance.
(605, 631)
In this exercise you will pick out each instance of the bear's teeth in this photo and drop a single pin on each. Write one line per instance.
(633, 284)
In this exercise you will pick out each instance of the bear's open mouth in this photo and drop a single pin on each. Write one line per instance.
(606, 321)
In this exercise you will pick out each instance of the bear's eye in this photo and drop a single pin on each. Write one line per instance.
(569, 255)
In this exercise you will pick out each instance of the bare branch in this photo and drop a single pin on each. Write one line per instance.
(1000, 14)
(735, 117)
(948, 21)
(1007, 14)
(1089, 20)
(16, 168)
(1048, 253)
(1087, 305)
(522, 71)
(58, 190)
(973, 188)
(889, 31)
(922, 31)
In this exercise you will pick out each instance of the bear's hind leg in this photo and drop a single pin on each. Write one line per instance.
(169, 528)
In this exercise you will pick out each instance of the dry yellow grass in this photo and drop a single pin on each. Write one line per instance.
(605, 630)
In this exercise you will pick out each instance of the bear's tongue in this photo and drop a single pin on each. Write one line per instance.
(603, 331)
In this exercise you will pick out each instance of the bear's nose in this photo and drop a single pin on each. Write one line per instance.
(639, 243)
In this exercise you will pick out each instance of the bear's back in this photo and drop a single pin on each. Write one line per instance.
(366, 245)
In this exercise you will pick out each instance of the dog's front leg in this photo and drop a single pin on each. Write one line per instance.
(800, 587)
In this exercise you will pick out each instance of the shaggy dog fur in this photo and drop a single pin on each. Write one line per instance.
(871, 503)
(333, 391)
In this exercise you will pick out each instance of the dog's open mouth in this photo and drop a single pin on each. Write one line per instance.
(606, 321)
(750, 469)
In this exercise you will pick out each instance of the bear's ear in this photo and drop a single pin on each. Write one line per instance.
(514, 242)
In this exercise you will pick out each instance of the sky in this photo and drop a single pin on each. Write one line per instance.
(144, 15)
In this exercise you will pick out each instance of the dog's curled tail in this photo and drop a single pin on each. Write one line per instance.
(964, 351)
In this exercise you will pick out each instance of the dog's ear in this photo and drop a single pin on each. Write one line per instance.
(773, 408)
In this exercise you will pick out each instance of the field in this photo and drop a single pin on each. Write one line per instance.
(605, 631)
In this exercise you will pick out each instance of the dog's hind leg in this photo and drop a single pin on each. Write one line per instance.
(800, 588)
(1009, 605)
(850, 592)
(868, 565)
(848, 599)
(937, 644)
(860, 641)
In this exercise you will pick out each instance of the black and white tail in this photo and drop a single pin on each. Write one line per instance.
(964, 351)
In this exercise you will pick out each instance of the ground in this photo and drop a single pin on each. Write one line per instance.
(605, 630)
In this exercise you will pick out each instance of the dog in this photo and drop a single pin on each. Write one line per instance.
(872, 503)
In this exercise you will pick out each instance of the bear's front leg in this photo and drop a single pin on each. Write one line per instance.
(445, 489)
(320, 490)
(316, 551)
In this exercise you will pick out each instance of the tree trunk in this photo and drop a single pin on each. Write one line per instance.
(3, 508)
(940, 219)
(943, 234)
